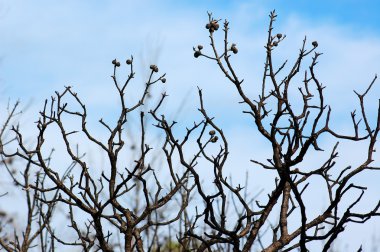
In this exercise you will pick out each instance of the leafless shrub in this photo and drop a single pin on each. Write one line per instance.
(134, 208)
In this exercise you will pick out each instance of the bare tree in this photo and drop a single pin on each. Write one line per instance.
(292, 135)
(103, 214)
(37, 213)
(101, 200)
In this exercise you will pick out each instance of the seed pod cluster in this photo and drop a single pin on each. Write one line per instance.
(154, 68)
(214, 139)
(212, 26)
(197, 54)
(234, 49)
(116, 63)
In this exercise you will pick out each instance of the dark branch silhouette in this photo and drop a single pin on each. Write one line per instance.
(166, 206)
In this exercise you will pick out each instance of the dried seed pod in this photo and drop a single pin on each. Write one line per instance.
(200, 47)
(279, 35)
(163, 80)
(275, 43)
(315, 43)
(212, 132)
(114, 61)
(215, 24)
(129, 61)
(197, 54)
(154, 68)
(234, 49)
(214, 139)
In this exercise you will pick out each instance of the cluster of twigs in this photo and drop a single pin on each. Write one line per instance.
(291, 136)
(100, 203)
(101, 213)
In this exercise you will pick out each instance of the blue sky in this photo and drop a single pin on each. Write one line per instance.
(46, 45)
